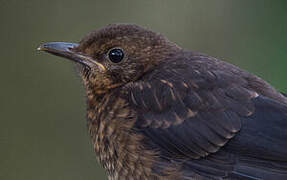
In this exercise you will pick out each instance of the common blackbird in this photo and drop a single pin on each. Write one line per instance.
(158, 111)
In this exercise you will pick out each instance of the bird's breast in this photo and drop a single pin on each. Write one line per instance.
(118, 146)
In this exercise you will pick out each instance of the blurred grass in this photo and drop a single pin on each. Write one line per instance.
(43, 132)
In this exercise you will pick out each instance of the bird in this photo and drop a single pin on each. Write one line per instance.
(158, 111)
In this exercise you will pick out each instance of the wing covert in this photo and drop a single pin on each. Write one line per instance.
(190, 111)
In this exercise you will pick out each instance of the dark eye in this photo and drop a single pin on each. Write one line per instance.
(116, 55)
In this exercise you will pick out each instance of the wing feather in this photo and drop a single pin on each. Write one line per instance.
(197, 111)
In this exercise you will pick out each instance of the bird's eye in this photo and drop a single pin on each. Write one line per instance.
(116, 55)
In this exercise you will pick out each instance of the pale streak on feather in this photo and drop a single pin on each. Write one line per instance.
(148, 85)
(157, 101)
(191, 113)
(172, 94)
(178, 120)
(167, 82)
(185, 85)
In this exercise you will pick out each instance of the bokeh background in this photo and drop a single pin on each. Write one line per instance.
(43, 132)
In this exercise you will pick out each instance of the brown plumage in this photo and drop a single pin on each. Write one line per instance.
(157, 111)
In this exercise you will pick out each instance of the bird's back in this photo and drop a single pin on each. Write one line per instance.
(212, 120)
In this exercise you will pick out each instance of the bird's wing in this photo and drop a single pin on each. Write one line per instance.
(191, 110)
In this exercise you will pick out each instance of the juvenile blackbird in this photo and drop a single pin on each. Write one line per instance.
(157, 111)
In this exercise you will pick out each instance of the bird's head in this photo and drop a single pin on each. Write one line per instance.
(115, 55)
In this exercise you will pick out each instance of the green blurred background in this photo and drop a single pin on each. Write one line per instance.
(43, 132)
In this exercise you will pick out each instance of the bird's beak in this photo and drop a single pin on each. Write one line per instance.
(65, 50)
